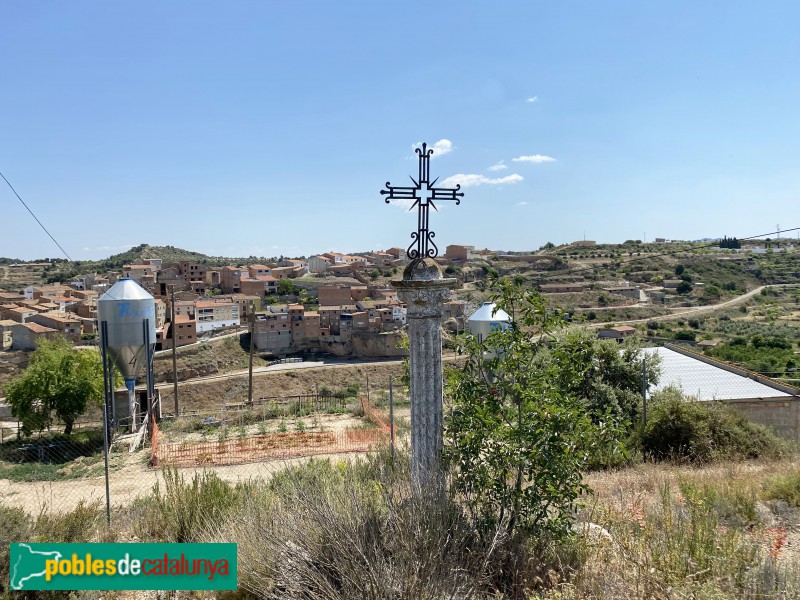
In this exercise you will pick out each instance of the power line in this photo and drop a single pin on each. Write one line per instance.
(35, 217)
(658, 255)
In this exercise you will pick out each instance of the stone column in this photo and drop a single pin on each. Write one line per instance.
(423, 290)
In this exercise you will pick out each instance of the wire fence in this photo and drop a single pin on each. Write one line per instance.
(53, 472)
(242, 439)
(249, 447)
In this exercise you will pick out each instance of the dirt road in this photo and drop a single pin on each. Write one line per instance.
(699, 309)
(133, 480)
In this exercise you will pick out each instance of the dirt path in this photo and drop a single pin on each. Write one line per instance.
(134, 480)
(697, 309)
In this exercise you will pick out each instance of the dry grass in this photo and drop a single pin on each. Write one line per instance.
(213, 395)
(682, 532)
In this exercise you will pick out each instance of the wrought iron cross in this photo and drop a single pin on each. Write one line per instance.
(423, 194)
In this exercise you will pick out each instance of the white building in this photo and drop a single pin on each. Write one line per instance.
(399, 314)
(217, 315)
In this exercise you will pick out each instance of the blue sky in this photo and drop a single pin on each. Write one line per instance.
(269, 128)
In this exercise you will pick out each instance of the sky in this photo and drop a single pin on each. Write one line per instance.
(269, 128)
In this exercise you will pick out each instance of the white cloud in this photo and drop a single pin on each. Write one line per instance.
(474, 179)
(440, 148)
(532, 99)
(523, 203)
(534, 158)
(498, 167)
(403, 203)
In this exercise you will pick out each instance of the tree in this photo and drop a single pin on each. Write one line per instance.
(287, 287)
(611, 381)
(684, 287)
(517, 439)
(679, 270)
(59, 382)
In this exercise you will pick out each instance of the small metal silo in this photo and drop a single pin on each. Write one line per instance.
(126, 315)
(486, 319)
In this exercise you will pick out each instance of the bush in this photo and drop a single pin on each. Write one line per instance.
(183, 511)
(17, 527)
(353, 530)
(686, 335)
(77, 525)
(684, 429)
(783, 487)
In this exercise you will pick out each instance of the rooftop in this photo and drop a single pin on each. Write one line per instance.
(36, 328)
(707, 381)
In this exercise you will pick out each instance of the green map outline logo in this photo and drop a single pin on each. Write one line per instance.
(15, 583)
(122, 566)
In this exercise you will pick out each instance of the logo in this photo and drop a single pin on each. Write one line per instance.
(123, 567)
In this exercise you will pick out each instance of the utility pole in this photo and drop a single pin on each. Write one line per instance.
(644, 389)
(391, 419)
(173, 326)
(252, 344)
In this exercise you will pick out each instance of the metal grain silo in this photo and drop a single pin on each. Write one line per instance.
(486, 319)
(126, 314)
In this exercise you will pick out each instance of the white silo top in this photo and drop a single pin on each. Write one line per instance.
(489, 313)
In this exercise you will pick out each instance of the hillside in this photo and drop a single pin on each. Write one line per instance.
(28, 273)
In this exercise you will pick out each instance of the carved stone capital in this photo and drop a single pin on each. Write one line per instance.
(424, 301)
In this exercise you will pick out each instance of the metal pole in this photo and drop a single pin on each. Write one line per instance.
(108, 372)
(250, 366)
(644, 388)
(149, 357)
(174, 351)
(391, 419)
(105, 454)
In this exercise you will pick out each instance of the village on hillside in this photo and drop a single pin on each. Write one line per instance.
(344, 305)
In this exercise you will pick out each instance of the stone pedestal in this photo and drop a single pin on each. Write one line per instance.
(423, 289)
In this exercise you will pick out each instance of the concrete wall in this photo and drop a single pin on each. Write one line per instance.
(781, 413)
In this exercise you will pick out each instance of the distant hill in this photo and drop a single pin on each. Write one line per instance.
(166, 253)
(61, 270)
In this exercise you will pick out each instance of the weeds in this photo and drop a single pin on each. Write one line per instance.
(184, 509)
(344, 530)
(783, 487)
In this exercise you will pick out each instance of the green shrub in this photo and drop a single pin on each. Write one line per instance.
(684, 429)
(185, 509)
(783, 487)
(353, 530)
(78, 525)
(17, 526)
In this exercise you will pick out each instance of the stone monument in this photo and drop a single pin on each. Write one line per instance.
(423, 289)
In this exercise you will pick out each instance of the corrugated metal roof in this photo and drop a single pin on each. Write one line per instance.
(705, 381)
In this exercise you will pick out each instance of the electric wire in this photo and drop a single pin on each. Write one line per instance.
(35, 217)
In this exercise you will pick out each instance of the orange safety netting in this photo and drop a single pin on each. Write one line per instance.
(272, 446)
